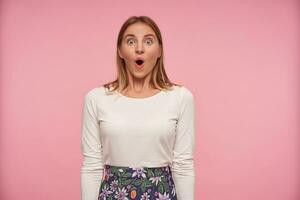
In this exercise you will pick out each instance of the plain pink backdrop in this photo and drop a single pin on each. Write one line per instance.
(239, 58)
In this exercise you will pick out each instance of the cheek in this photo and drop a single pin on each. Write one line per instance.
(154, 56)
(126, 52)
(154, 53)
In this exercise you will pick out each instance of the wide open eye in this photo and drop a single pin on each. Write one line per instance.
(150, 41)
(130, 41)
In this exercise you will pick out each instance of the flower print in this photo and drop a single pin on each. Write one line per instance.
(155, 179)
(107, 173)
(167, 169)
(139, 172)
(114, 185)
(170, 180)
(133, 194)
(145, 196)
(164, 196)
(105, 192)
(121, 194)
(169, 177)
(173, 192)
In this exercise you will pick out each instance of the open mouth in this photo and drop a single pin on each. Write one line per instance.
(139, 62)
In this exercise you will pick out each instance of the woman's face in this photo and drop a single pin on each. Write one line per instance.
(139, 43)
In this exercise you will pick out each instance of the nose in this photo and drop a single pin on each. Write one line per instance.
(139, 48)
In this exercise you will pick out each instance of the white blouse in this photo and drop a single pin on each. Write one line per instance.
(153, 131)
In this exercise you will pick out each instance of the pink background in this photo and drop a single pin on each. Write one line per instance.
(240, 59)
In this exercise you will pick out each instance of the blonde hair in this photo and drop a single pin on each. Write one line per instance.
(159, 78)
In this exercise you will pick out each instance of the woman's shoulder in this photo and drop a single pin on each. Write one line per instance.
(95, 92)
(183, 90)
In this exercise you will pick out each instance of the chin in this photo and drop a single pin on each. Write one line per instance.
(141, 75)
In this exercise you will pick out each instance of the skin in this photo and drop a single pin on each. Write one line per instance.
(143, 46)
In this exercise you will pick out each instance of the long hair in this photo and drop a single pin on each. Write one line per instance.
(159, 78)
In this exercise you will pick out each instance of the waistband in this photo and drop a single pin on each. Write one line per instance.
(106, 166)
(139, 172)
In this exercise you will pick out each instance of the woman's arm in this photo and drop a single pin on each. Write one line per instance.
(183, 155)
(92, 164)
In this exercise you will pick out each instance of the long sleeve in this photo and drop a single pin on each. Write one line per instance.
(92, 164)
(183, 154)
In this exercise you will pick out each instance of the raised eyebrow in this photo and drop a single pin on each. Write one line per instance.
(134, 35)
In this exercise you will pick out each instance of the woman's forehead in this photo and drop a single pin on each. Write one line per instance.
(133, 35)
(139, 29)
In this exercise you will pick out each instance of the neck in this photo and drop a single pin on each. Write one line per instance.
(139, 85)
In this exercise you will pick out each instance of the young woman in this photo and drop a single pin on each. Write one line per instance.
(138, 130)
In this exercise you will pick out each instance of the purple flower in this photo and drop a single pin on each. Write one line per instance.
(164, 196)
(121, 194)
(105, 192)
(139, 172)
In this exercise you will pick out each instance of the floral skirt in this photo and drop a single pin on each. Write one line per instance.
(144, 183)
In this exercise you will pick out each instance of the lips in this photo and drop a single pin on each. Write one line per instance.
(139, 62)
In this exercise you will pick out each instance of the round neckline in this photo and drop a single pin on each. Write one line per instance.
(140, 98)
